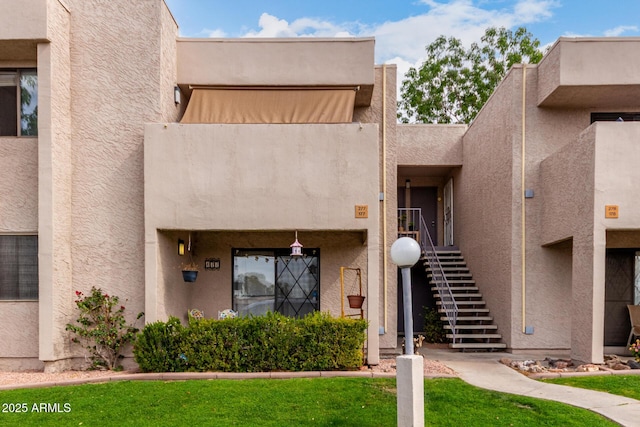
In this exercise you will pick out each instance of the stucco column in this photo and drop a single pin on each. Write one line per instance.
(587, 305)
(373, 297)
(55, 308)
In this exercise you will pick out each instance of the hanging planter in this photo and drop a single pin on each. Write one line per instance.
(189, 275)
(190, 269)
(355, 301)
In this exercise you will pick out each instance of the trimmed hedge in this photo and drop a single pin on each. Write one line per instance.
(317, 342)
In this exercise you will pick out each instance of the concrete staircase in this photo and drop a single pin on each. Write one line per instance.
(474, 329)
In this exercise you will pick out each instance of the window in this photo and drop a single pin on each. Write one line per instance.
(615, 117)
(18, 267)
(272, 280)
(18, 102)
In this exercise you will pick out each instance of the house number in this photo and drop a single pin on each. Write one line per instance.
(611, 211)
(362, 211)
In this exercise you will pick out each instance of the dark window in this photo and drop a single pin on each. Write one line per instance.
(18, 103)
(271, 280)
(18, 267)
(615, 117)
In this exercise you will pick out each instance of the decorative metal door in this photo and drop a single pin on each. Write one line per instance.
(297, 284)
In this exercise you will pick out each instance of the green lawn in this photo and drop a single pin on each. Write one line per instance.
(623, 385)
(319, 401)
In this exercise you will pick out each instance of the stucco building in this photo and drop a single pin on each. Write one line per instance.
(120, 142)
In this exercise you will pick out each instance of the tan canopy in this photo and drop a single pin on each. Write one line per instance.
(277, 105)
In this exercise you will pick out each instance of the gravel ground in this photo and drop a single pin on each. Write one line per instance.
(431, 367)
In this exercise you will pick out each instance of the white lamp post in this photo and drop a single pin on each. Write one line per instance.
(405, 252)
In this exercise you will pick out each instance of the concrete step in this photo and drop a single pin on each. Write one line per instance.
(450, 274)
(477, 345)
(472, 327)
(455, 288)
(475, 336)
(455, 281)
(467, 310)
(459, 303)
(457, 295)
(451, 269)
(470, 318)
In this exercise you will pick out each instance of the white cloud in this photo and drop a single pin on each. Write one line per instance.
(618, 31)
(272, 26)
(216, 34)
(460, 18)
(403, 42)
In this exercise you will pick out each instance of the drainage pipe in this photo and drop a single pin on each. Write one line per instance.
(523, 260)
(384, 197)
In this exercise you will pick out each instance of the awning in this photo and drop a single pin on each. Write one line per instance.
(270, 105)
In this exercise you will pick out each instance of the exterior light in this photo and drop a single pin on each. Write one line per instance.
(180, 247)
(296, 247)
(176, 95)
(407, 184)
(405, 252)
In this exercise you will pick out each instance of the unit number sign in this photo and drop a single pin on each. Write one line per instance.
(362, 211)
(611, 211)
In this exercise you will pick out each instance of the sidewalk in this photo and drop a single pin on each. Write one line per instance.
(485, 371)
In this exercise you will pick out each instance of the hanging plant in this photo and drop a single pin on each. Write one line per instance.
(190, 269)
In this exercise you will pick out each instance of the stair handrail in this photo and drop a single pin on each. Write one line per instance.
(439, 278)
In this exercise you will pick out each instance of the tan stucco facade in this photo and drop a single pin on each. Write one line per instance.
(114, 180)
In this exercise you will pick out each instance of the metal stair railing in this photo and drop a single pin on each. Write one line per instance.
(437, 273)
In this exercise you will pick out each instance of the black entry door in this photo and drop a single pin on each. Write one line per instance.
(618, 292)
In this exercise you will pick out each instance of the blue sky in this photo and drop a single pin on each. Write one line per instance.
(403, 28)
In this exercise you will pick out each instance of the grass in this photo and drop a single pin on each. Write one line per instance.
(304, 401)
(622, 385)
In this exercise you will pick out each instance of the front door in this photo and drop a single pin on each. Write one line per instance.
(621, 273)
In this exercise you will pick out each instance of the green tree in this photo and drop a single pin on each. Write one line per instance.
(453, 83)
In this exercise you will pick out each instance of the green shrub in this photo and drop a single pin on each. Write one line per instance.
(157, 347)
(252, 344)
(433, 330)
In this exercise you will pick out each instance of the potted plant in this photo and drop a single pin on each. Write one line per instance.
(190, 271)
(410, 226)
(355, 301)
(401, 221)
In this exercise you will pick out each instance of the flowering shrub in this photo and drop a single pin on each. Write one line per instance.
(102, 328)
(635, 350)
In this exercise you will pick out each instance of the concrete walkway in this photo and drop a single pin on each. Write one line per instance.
(484, 370)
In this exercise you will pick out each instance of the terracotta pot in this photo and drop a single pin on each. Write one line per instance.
(355, 301)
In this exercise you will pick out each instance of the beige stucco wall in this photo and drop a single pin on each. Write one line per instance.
(276, 62)
(488, 215)
(90, 153)
(26, 21)
(430, 145)
(383, 111)
(54, 185)
(581, 72)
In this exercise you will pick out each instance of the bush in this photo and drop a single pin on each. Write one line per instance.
(102, 328)
(433, 330)
(252, 344)
(157, 347)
